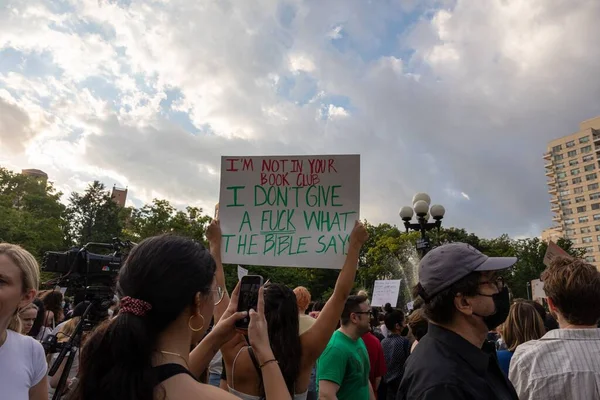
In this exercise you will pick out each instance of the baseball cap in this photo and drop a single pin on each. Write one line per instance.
(449, 263)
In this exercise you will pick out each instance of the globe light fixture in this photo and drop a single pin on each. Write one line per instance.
(424, 212)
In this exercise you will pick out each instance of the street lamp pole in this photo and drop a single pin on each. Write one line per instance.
(423, 212)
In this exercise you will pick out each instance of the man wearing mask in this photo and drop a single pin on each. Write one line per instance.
(464, 299)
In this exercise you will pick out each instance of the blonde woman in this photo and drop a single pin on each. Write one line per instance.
(522, 325)
(27, 315)
(22, 360)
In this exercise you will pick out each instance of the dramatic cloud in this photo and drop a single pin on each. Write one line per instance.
(456, 98)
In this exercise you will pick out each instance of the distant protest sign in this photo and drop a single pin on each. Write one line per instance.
(386, 291)
(288, 210)
(552, 252)
(537, 290)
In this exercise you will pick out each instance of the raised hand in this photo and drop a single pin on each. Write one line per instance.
(213, 232)
(359, 234)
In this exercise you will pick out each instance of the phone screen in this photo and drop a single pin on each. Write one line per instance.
(248, 298)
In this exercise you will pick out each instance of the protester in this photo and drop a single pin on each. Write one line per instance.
(523, 324)
(376, 357)
(296, 354)
(464, 299)
(565, 362)
(167, 295)
(303, 300)
(22, 359)
(396, 349)
(28, 315)
(417, 323)
(343, 368)
(39, 318)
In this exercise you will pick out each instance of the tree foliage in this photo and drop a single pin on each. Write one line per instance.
(30, 213)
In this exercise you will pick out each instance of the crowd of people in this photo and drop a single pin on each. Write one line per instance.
(171, 332)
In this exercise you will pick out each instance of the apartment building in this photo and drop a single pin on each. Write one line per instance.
(572, 166)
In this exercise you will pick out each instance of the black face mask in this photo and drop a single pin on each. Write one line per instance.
(502, 305)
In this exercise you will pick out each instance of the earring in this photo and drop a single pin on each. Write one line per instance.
(195, 329)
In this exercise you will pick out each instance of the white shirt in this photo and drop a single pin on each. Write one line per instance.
(564, 364)
(22, 366)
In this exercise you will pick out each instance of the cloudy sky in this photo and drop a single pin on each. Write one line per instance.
(456, 98)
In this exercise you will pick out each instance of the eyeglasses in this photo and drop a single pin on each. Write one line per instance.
(218, 294)
(498, 282)
(363, 312)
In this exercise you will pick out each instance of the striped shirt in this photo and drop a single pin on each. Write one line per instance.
(563, 364)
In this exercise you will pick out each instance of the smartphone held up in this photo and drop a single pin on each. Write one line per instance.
(248, 298)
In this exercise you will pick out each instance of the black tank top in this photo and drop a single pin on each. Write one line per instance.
(167, 371)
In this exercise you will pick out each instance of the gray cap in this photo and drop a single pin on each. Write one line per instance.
(447, 264)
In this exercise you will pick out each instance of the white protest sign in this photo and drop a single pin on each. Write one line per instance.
(288, 210)
(242, 272)
(386, 291)
(537, 289)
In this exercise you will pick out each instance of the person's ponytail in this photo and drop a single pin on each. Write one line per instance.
(116, 361)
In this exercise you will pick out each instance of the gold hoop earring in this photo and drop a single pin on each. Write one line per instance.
(190, 324)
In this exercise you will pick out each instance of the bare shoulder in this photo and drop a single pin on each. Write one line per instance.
(184, 387)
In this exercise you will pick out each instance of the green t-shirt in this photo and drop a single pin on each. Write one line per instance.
(345, 362)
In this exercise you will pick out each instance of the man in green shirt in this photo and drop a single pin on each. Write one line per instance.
(343, 368)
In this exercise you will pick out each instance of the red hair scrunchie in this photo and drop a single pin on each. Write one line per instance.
(138, 307)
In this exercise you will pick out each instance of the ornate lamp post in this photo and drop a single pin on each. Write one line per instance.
(423, 212)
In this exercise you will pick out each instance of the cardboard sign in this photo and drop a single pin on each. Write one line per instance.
(386, 291)
(537, 289)
(241, 272)
(553, 251)
(295, 211)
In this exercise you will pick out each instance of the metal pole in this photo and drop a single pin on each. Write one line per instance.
(528, 294)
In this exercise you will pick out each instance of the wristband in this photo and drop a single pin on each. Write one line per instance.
(269, 362)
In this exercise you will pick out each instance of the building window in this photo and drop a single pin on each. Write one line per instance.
(570, 144)
(570, 232)
(584, 139)
(573, 162)
(597, 228)
(585, 229)
(588, 249)
(596, 206)
(575, 171)
(590, 177)
(590, 259)
(583, 219)
(558, 157)
(568, 211)
(587, 158)
(563, 193)
(586, 149)
(586, 239)
(581, 209)
(572, 153)
(596, 217)
(579, 199)
(557, 148)
(563, 184)
(569, 221)
(565, 202)
(589, 167)
(576, 180)
(593, 186)
(561, 175)
(578, 190)
(595, 196)
(560, 166)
